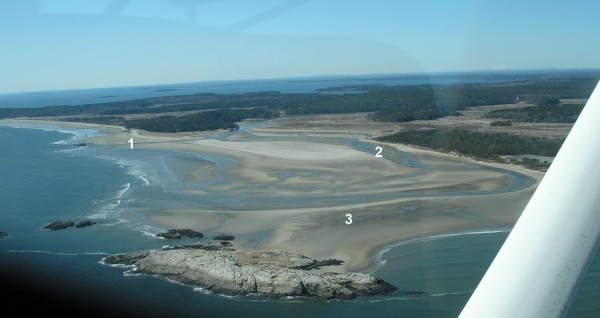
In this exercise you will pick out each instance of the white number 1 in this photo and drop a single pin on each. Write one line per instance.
(131, 143)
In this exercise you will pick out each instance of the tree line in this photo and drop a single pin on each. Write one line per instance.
(477, 144)
(565, 113)
(384, 103)
(208, 120)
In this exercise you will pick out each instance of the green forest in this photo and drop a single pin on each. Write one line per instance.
(502, 123)
(565, 113)
(477, 144)
(383, 103)
(209, 120)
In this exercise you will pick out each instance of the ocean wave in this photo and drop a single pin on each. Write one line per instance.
(377, 266)
(400, 296)
(102, 261)
(106, 212)
(443, 236)
(447, 294)
(201, 290)
(111, 209)
(70, 150)
(254, 297)
(148, 230)
(131, 272)
(140, 170)
(118, 221)
(378, 257)
(92, 207)
(120, 266)
(125, 188)
(71, 140)
(146, 182)
(394, 298)
(54, 253)
(78, 133)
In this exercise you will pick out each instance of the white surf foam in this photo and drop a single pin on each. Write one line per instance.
(118, 221)
(138, 169)
(148, 230)
(54, 253)
(78, 134)
(112, 210)
(146, 182)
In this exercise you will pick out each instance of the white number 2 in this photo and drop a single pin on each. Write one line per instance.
(349, 220)
(379, 150)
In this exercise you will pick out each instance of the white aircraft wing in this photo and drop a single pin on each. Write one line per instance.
(538, 269)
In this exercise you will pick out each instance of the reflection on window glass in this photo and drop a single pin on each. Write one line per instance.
(278, 157)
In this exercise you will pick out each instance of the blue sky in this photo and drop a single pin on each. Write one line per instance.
(72, 44)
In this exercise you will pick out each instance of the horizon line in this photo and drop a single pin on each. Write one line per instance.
(332, 76)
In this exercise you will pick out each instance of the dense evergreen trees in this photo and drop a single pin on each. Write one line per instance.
(209, 120)
(501, 123)
(385, 103)
(477, 144)
(565, 113)
(545, 100)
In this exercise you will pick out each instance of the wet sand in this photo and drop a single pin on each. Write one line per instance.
(389, 202)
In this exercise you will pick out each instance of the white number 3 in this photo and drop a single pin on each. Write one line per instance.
(349, 220)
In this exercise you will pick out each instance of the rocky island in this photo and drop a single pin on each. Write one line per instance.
(64, 224)
(59, 225)
(85, 223)
(227, 271)
(176, 234)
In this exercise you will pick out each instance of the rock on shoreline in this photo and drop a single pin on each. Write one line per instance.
(176, 234)
(64, 224)
(274, 274)
(85, 223)
(59, 225)
(223, 237)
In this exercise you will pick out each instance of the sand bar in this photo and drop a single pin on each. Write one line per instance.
(396, 202)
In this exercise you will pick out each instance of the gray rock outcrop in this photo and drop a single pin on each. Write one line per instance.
(59, 225)
(85, 223)
(176, 234)
(275, 274)
(223, 237)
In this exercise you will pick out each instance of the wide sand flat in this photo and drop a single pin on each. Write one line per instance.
(389, 202)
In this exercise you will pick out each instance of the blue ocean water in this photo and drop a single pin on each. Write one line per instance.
(43, 178)
(293, 85)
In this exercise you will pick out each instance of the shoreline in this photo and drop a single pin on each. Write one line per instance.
(320, 232)
(378, 256)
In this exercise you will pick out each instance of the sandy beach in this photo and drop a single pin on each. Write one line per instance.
(389, 201)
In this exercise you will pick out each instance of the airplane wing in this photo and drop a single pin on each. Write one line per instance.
(539, 268)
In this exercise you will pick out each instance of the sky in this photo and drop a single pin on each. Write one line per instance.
(74, 44)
